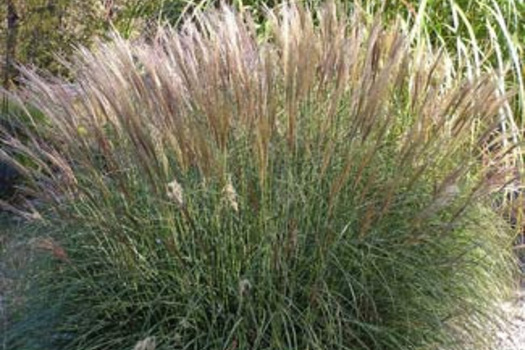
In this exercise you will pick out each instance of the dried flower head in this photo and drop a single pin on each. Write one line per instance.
(244, 287)
(231, 195)
(175, 192)
(146, 344)
(50, 245)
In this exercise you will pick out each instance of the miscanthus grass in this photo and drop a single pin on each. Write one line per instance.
(321, 186)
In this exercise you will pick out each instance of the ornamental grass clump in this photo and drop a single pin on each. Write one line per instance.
(316, 186)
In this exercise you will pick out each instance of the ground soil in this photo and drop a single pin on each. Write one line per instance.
(512, 335)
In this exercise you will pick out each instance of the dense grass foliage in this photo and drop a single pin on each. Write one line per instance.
(322, 186)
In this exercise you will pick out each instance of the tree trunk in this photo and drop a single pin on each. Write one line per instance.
(10, 52)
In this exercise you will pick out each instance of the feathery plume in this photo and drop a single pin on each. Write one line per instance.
(175, 192)
(231, 195)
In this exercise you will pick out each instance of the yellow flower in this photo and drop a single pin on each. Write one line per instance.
(82, 131)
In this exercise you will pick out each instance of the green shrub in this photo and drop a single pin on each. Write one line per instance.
(316, 188)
